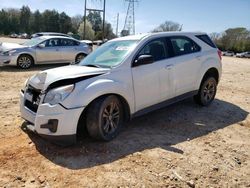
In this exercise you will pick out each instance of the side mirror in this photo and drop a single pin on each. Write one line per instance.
(41, 45)
(143, 60)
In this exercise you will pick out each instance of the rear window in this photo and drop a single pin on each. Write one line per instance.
(207, 40)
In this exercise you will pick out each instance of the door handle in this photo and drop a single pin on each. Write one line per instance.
(57, 49)
(168, 67)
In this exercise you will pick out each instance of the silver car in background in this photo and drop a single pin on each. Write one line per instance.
(43, 50)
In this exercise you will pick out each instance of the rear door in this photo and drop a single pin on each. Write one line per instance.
(187, 61)
(50, 53)
(69, 49)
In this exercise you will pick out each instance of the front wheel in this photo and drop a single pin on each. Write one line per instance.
(24, 61)
(105, 118)
(206, 92)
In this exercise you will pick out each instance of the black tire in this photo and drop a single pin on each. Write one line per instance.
(79, 57)
(25, 61)
(105, 118)
(207, 91)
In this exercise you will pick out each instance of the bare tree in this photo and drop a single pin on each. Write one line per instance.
(215, 36)
(168, 26)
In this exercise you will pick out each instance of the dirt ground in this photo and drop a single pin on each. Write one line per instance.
(12, 40)
(183, 145)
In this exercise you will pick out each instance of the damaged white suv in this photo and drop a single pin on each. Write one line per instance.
(123, 78)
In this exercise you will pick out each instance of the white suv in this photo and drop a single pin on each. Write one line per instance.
(123, 78)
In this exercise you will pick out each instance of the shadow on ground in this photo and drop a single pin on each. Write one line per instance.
(161, 129)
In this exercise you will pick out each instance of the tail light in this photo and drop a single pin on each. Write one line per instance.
(219, 54)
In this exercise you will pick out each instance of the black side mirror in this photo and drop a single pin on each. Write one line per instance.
(143, 60)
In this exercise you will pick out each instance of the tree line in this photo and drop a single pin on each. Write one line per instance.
(233, 39)
(25, 21)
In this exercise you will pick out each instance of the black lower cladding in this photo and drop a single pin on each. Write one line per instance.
(33, 105)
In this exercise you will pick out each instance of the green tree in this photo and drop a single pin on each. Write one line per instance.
(50, 21)
(108, 32)
(235, 39)
(96, 20)
(36, 22)
(65, 23)
(25, 19)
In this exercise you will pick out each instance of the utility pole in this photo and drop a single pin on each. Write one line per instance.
(129, 26)
(97, 10)
(103, 24)
(117, 24)
(85, 17)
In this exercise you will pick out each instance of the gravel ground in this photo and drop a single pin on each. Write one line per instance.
(183, 145)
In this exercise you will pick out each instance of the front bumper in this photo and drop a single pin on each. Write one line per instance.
(53, 122)
(8, 60)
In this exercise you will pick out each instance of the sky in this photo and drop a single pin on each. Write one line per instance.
(195, 15)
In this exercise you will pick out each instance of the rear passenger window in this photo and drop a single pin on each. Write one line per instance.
(155, 48)
(183, 45)
(68, 42)
(207, 40)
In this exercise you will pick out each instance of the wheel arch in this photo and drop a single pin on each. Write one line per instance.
(27, 54)
(80, 53)
(211, 72)
(81, 126)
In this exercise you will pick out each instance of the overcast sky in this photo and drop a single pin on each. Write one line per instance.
(195, 15)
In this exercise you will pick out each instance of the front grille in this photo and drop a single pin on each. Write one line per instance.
(33, 103)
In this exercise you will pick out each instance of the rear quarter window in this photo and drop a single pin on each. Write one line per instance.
(207, 40)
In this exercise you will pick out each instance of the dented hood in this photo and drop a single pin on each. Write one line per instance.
(5, 46)
(44, 79)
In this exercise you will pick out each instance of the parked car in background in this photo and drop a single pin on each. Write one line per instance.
(123, 78)
(228, 53)
(88, 42)
(49, 34)
(44, 50)
(13, 35)
(240, 54)
(246, 54)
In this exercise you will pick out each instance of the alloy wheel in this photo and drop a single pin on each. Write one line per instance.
(110, 118)
(24, 62)
(209, 91)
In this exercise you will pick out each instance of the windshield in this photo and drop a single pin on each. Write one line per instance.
(109, 54)
(33, 42)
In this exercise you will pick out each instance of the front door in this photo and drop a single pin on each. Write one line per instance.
(50, 53)
(149, 78)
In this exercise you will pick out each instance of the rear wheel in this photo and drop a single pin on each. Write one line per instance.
(206, 92)
(79, 57)
(105, 118)
(24, 61)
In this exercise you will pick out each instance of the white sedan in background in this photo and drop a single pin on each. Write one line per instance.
(43, 50)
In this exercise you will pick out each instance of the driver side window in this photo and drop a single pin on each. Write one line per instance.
(155, 48)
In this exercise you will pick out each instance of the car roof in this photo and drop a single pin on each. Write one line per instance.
(159, 34)
(51, 33)
(61, 37)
